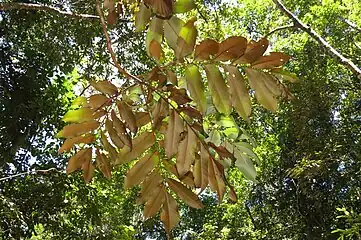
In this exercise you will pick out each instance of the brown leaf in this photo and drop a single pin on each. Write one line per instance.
(109, 4)
(121, 130)
(142, 118)
(232, 194)
(231, 48)
(254, 51)
(105, 87)
(112, 17)
(108, 147)
(140, 170)
(201, 169)
(222, 151)
(169, 215)
(127, 115)
(113, 134)
(88, 170)
(77, 129)
(173, 135)
(187, 179)
(215, 178)
(76, 162)
(150, 186)
(159, 112)
(103, 164)
(100, 113)
(206, 48)
(275, 59)
(98, 100)
(154, 203)
(140, 144)
(155, 50)
(189, 197)
(186, 152)
(70, 142)
(191, 112)
(162, 8)
(180, 96)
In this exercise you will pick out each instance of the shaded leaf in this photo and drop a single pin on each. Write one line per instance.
(154, 203)
(121, 130)
(160, 111)
(70, 142)
(215, 178)
(218, 88)
(155, 50)
(239, 94)
(76, 162)
(182, 6)
(201, 169)
(231, 48)
(172, 28)
(191, 112)
(98, 100)
(173, 136)
(162, 8)
(77, 129)
(169, 215)
(186, 152)
(196, 87)
(113, 134)
(127, 115)
(205, 49)
(142, 18)
(105, 87)
(103, 164)
(284, 75)
(154, 33)
(141, 169)
(275, 59)
(88, 170)
(186, 40)
(142, 118)
(108, 147)
(232, 194)
(180, 96)
(149, 186)
(184, 193)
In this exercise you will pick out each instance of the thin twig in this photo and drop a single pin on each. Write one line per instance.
(333, 52)
(32, 6)
(351, 24)
(28, 172)
(290, 26)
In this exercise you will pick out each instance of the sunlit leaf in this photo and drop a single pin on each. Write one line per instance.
(231, 48)
(196, 87)
(77, 129)
(76, 162)
(186, 40)
(79, 102)
(239, 93)
(275, 59)
(284, 75)
(172, 28)
(79, 115)
(184, 193)
(108, 147)
(70, 142)
(186, 152)
(88, 170)
(105, 87)
(205, 49)
(254, 51)
(182, 6)
(97, 100)
(169, 215)
(113, 134)
(218, 89)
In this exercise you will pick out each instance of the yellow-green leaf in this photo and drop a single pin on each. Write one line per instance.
(79, 115)
(140, 170)
(169, 215)
(182, 6)
(239, 93)
(172, 28)
(184, 193)
(218, 88)
(186, 39)
(196, 87)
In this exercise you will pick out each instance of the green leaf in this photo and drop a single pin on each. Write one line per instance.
(218, 88)
(182, 6)
(239, 94)
(196, 87)
(142, 18)
(231, 128)
(285, 75)
(186, 40)
(172, 28)
(79, 101)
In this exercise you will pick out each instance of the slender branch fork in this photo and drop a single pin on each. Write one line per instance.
(333, 52)
(29, 172)
(290, 26)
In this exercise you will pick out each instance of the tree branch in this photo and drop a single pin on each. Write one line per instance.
(279, 29)
(28, 172)
(351, 24)
(333, 52)
(32, 6)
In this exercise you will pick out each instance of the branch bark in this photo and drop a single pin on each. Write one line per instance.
(29, 172)
(32, 6)
(331, 51)
(279, 29)
(352, 25)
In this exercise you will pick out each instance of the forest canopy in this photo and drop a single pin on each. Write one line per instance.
(180, 119)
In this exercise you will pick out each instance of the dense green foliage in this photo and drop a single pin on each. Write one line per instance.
(309, 179)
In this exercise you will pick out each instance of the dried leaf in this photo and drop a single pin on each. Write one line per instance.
(169, 215)
(76, 162)
(154, 203)
(239, 94)
(218, 88)
(108, 147)
(88, 170)
(162, 8)
(191, 112)
(275, 59)
(186, 40)
(140, 170)
(112, 17)
(215, 178)
(196, 87)
(142, 118)
(160, 111)
(155, 50)
(105, 87)
(70, 142)
(254, 51)
(180, 96)
(201, 169)
(205, 49)
(231, 48)
(186, 152)
(113, 134)
(103, 164)
(173, 136)
(128, 116)
(189, 197)
(98, 100)
(77, 129)
(121, 130)
(150, 186)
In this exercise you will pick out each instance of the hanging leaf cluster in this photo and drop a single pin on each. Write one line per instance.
(173, 126)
